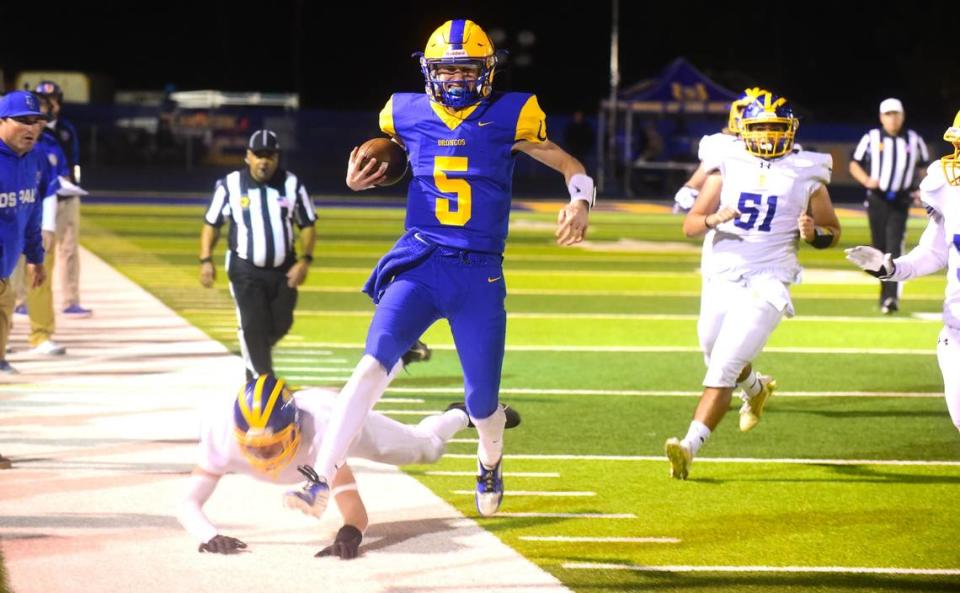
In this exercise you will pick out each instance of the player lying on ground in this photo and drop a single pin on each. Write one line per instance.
(272, 434)
(939, 248)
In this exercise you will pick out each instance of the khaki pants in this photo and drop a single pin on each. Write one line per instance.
(7, 300)
(40, 301)
(68, 253)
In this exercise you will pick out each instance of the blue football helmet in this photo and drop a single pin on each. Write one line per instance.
(463, 43)
(267, 423)
(768, 126)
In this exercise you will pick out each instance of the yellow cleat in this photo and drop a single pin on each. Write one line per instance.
(752, 407)
(680, 458)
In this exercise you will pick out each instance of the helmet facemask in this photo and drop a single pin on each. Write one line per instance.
(266, 451)
(463, 92)
(769, 138)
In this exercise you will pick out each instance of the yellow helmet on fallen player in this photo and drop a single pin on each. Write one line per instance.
(951, 162)
(458, 42)
(267, 423)
(737, 106)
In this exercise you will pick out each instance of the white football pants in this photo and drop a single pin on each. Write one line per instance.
(736, 319)
(948, 355)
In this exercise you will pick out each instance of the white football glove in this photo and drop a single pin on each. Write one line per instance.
(685, 197)
(872, 261)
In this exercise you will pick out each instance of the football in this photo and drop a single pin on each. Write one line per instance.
(385, 150)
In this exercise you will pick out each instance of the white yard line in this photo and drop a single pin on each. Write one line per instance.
(665, 393)
(507, 474)
(600, 540)
(557, 493)
(286, 369)
(787, 569)
(658, 349)
(571, 515)
(904, 462)
(468, 441)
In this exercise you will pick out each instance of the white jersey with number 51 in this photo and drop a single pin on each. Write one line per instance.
(770, 196)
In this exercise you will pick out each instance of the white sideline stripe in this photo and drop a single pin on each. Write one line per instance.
(411, 413)
(665, 317)
(402, 400)
(534, 493)
(571, 515)
(321, 360)
(778, 349)
(316, 378)
(905, 462)
(667, 393)
(508, 474)
(281, 367)
(601, 540)
(296, 350)
(472, 441)
(796, 569)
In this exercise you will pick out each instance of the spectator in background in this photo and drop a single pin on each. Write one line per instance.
(892, 155)
(579, 136)
(68, 202)
(38, 296)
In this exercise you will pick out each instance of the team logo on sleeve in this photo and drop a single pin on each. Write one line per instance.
(244, 201)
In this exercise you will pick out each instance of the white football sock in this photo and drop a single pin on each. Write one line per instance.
(697, 435)
(445, 425)
(356, 399)
(751, 385)
(490, 431)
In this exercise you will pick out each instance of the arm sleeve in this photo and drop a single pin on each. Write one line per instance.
(33, 239)
(219, 205)
(928, 256)
(386, 118)
(190, 510)
(305, 212)
(532, 122)
(48, 217)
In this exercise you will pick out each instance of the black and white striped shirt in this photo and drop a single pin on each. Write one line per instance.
(261, 215)
(892, 160)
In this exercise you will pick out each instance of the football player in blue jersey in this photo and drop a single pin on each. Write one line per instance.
(461, 138)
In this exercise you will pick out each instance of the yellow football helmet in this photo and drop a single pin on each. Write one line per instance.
(267, 424)
(737, 107)
(458, 42)
(768, 126)
(951, 162)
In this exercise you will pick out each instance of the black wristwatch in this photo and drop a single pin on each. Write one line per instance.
(206, 260)
(307, 258)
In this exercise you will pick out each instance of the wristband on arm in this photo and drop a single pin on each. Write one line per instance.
(581, 188)
(822, 238)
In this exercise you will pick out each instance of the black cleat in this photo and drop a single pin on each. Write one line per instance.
(513, 417)
(419, 352)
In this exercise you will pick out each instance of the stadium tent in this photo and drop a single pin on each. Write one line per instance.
(680, 89)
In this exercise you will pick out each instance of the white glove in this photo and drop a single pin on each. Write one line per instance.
(685, 197)
(872, 261)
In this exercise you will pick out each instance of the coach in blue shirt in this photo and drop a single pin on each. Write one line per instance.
(24, 181)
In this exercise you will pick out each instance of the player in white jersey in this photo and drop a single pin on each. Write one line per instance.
(272, 434)
(939, 247)
(712, 149)
(758, 203)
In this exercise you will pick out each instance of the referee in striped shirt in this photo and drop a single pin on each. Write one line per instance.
(885, 162)
(263, 202)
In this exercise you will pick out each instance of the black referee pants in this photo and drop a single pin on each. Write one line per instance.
(265, 306)
(888, 227)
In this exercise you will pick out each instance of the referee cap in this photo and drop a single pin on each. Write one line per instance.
(264, 140)
(890, 105)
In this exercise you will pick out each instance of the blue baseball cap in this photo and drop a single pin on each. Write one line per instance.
(20, 104)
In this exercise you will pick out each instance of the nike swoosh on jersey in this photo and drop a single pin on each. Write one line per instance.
(484, 123)
(492, 279)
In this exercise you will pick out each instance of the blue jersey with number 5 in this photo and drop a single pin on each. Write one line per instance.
(462, 164)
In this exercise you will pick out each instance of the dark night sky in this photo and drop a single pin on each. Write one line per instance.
(343, 55)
